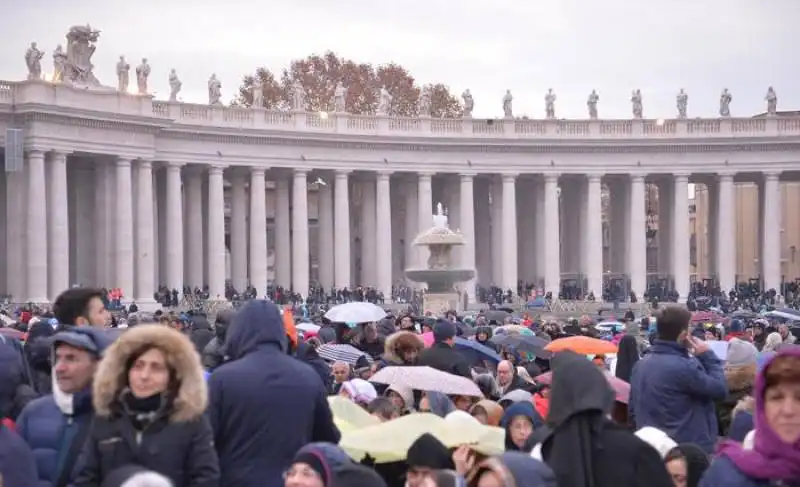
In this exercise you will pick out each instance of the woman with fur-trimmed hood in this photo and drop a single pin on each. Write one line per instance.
(402, 348)
(149, 399)
(740, 375)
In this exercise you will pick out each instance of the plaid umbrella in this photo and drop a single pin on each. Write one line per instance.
(427, 379)
(341, 352)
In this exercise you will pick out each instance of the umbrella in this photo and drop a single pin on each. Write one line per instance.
(523, 343)
(427, 379)
(476, 352)
(702, 316)
(355, 312)
(496, 315)
(341, 352)
(308, 327)
(582, 345)
(514, 329)
(515, 396)
(622, 390)
(13, 334)
(348, 415)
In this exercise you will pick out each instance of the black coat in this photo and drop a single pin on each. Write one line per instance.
(442, 356)
(181, 451)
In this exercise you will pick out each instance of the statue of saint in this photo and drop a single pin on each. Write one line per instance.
(469, 104)
(175, 85)
(592, 104)
(636, 101)
(772, 101)
(298, 97)
(550, 104)
(142, 73)
(340, 98)
(123, 69)
(725, 100)
(424, 102)
(33, 58)
(258, 92)
(214, 90)
(439, 218)
(508, 109)
(59, 64)
(683, 102)
(384, 102)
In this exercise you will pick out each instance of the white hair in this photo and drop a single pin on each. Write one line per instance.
(147, 479)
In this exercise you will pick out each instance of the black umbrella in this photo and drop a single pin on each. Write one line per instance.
(523, 343)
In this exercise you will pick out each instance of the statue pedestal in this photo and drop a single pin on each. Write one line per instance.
(440, 303)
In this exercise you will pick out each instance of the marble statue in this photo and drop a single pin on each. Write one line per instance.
(772, 101)
(384, 102)
(81, 45)
(592, 104)
(340, 98)
(59, 63)
(424, 103)
(298, 97)
(725, 100)
(214, 90)
(636, 101)
(508, 109)
(469, 104)
(258, 92)
(33, 58)
(550, 104)
(683, 101)
(175, 85)
(439, 218)
(142, 73)
(123, 69)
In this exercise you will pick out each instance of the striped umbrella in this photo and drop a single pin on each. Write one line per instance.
(341, 352)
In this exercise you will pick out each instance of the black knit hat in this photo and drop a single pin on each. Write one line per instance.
(428, 452)
(314, 461)
(355, 475)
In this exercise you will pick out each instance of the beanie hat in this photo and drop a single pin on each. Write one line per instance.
(741, 353)
(444, 330)
(427, 451)
(323, 458)
(355, 475)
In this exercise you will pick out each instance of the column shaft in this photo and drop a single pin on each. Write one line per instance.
(637, 232)
(58, 227)
(552, 275)
(680, 235)
(300, 246)
(36, 229)
(145, 234)
(411, 224)
(725, 251)
(593, 236)
(424, 213)
(341, 235)
(174, 228)
(509, 232)
(283, 244)
(771, 243)
(383, 224)
(258, 231)
(124, 259)
(194, 234)
(496, 231)
(467, 223)
(369, 234)
(216, 234)
(238, 229)
(325, 236)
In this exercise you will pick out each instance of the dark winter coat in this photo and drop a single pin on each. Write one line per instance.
(17, 466)
(442, 356)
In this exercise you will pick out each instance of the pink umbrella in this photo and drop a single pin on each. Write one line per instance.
(427, 339)
(622, 390)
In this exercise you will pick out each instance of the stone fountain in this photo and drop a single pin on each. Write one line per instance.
(440, 275)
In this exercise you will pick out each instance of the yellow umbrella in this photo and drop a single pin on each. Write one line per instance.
(348, 415)
(491, 439)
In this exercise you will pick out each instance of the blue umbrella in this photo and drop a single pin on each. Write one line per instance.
(476, 352)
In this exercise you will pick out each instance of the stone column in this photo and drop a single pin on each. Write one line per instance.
(637, 232)
(238, 231)
(36, 223)
(325, 236)
(258, 230)
(58, 226)
(341, 236)
(680, 235)
(509, 231)
(496, 230)
(467, 222)
(725, 251)
(216, 233)
(300, 254)
(483, 238)
(124, 259)
(540, 236)
(593, 236)
(424, 212)
(706, 254)
(145, 234)
(283, 244)
(383, 224)
(618, 232)
(411, 225)
(552, 249)
(666, 205)
(369, 234)
(195, 235)
(102, 232)
(16, 231)
(771, 232)
(174, 228)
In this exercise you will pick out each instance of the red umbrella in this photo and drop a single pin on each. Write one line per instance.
(622, 390)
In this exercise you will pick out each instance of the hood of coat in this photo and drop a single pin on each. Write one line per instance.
(401, 340)
(741, 378)
(111, 379)
(257, 324)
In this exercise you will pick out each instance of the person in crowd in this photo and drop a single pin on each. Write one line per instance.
(674, 387)
(402, 397)
(774, 458)
(686, 464)
(149, 400)
(359, 391)
(582, 445)
(786, 335)
(627, 356)
(354, 475)
(512, 468)
(740, 375)
(56, 426)
(307, 352)
(507, 378)
(200, 332)
(369, 341)
(520, 420)
(81, 306)
(263, 394)
(214, 352)
(37, 352)
(488, 386)
(657, 439)
(772, 342)
(15, 389)
(405, 322)
(487, 412)
(402, 348)
(442, 355)
(436, 403)
(17, 464)
(383, 408)
(314, 465)
(426, 455)
(342, 372)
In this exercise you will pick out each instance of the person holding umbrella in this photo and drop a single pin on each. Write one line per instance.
(442, 355)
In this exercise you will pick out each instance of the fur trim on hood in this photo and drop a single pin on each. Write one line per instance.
(741, 378)
(401, 340)
(112, 374)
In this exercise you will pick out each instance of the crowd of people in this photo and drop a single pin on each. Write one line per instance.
(258, 396)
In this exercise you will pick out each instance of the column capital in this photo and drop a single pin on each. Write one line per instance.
(425, 174)
(384, 174)
(216, 169)
(637, 177)
(595, 177)
(122, 161)
(59, 155)
(467, 175)
(145, 163)
(771, 174)
(256, 171)
(36, 153)
(173, 165)
(300, 172)
(552, 177)
(509, 178)
(681, 175)
(343, 172)
(725, 175)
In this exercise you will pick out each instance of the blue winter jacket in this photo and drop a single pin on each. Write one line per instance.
(675, 393)
(723, 473)
(17, 466)
(264, 404)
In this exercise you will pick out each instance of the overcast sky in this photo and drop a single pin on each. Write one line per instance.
(527, 46)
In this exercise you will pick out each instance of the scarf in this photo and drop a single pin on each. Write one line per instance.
(142, 411)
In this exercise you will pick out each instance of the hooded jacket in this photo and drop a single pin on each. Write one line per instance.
(177, 443)
(265, 404)
(17, 466)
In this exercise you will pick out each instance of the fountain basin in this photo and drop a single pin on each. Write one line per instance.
(440, 280)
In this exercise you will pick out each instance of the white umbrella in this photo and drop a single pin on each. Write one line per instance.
(308, 327)
(355, 312)
(427, 379)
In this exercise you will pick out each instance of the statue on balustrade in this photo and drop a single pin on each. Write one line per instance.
(592, 104)
(33, 58)
(175, 85)
(725, 100)
(683, 101)
(123, 70)
(298, 97)
(772, 101)
(550, 104)
(636, 101)
(340, 98)
(469, 104)
(214, 90)
(80, 49)
(142, 73)
(508, 108)
(59, 64)
(424, 102)
(384, 102)
(258, 92)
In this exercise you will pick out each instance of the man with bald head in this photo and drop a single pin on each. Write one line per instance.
(507, 379)
(341, 374)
